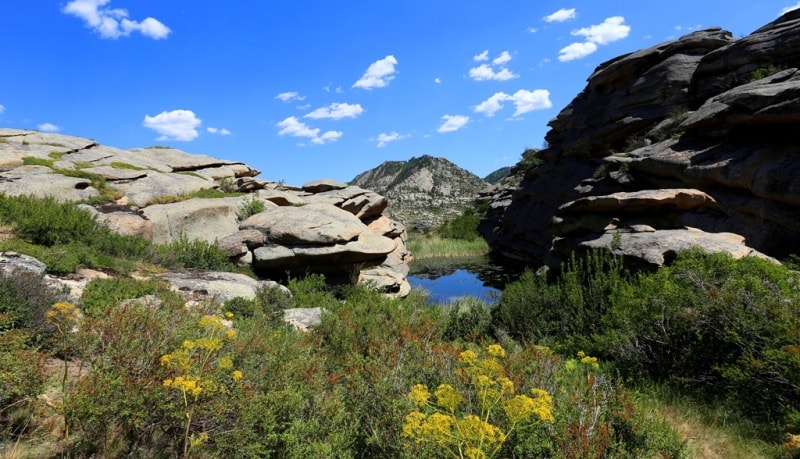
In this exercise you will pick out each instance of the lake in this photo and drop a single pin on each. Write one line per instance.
(448, 279)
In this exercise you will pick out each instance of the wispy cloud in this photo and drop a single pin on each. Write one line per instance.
(525, 101)
(378, 74)
(222, 131)
(453, 123)
(48, 127)
(610, 30)
(436, 80)
(2, 109)
(293, 127)
(336, 111)
(114, 22)
(384, 139)
(290, 96)
(564, 14)
(790, 8)
(175, 125)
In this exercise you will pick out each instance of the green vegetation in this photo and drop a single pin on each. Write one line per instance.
(34, 161)
(456, 238)
(593, 362)
(725, 331)
(121, 165)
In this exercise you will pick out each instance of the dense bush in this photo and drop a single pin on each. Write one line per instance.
(464, 227)
(727, 328)
(566, 311)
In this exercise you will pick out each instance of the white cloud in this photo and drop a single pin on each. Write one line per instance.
(48, 127)
(484, 72)
(393, 136)
(576, 51)
(114, 23)
(561, 15)
(435, 80)
(532, 29)
(493, 104)
(290, 96)
(214, 130)
(453, 123)
(2, 109)
(329, 136)
(790, 8)
(612, 29)
(528, 101)
(175, 125)
(504, 57)
(293, 127)
(336, 111)
(525, 101)
(378, 74)
(484, 56)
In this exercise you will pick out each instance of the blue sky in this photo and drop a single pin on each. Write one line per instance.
(303, 90)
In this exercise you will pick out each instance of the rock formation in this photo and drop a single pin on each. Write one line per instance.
(156, 193)
(690, 142)
(425, 192)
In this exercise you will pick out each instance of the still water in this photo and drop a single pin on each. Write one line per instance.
(448, 279)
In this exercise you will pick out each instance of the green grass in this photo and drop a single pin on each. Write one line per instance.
(432, 246)
(34, 161)
(121, 165)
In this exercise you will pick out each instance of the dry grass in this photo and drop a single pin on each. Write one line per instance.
(712, 433)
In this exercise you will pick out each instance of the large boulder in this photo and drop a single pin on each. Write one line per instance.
(690, 142)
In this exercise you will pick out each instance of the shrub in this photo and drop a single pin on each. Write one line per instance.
(464, 227)
(563, 312)
(251, 206)
(24, 298)
(186, 253)
(728, 328)
(468, 319)
(101, 294)
(269, 301)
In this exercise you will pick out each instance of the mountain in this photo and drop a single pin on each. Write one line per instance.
(497, 175)
(423, 192)
(689, 143)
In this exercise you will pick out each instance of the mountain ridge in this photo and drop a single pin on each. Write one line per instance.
(423, 192)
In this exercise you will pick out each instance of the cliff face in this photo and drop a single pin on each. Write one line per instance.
(423, 192)
(691, 142)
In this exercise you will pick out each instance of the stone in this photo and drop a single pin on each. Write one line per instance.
(217, 286)
(322, 185)
(303, 319)
(41, 181)
(313, 224)
(13, 261)
(201, 219)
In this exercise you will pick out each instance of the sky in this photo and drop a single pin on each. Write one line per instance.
(309, 89)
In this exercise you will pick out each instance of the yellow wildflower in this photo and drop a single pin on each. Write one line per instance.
(419, 395)
(448, 397)
(474, 453)
(188, 345)
(468, 356)
(496, 350)
(237, 375)
(229, 315)
(230, 334)
(225, 362)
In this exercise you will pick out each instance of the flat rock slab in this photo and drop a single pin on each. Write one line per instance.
(216, 285)
(657, 247)
(40, 181)
(156, 185)
(313, 224)
(13, 261)
(202, 219)
(643, 201)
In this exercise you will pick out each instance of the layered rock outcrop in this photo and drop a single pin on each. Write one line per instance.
(157, 193)
(691, 142)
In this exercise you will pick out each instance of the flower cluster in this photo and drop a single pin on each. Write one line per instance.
(202, 368)
(442, 418)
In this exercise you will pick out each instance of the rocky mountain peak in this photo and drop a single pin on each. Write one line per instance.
(424, 191)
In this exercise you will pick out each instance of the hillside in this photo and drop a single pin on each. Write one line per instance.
(423, 192)
(690, 142)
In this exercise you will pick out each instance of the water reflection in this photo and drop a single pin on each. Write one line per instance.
(448, 279)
